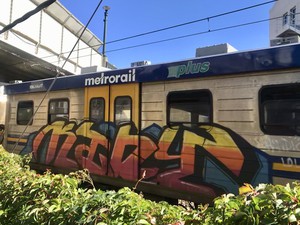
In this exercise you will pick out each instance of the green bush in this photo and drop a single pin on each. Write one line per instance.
(53, 199)
(29, 198)
(266, 204)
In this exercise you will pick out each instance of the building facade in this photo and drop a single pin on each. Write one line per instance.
(285, 22)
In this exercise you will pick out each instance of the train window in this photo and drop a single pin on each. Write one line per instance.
(25, 113)
(97, 109)
(189, 107)
(58, 108)
(280, 110)
(123, 108)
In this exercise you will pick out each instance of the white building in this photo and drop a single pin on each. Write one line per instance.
(285, 22)
(215, 50)
(46, 36)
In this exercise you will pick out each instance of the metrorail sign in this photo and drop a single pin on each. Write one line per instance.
(111, 79)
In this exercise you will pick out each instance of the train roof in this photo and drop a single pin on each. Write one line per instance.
(274, 58)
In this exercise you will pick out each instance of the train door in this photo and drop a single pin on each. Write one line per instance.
(113, 113)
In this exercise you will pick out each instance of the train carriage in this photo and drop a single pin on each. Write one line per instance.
(190, 129)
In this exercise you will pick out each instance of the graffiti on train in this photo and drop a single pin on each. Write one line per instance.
(207, 158)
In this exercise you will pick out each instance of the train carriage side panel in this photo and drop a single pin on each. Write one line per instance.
(153, 109)
(222, 155)
(22, 106)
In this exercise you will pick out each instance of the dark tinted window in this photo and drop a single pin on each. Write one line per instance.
(97, 109)
(58, 108)
(25, 112)
(123, 108)
(189, 107)
(280, 109)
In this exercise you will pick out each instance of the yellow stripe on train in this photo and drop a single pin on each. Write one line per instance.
(286, 167)
(21, 140)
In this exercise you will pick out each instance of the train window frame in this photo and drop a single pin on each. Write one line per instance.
(24, 105)
(101, 107)
(58, 115)
(192, 96)
(271, 97)
(115, 110)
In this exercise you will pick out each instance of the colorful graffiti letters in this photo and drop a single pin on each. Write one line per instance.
(206, 159)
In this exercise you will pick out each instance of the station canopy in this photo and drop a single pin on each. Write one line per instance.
(16, 64)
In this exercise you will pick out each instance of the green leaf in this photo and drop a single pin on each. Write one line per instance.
(292, 218)
(34, 211)
(52, 208)
(233, 205)
(143, 221)
(278, 202)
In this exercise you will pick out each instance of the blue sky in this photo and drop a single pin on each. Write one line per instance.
(133, 17)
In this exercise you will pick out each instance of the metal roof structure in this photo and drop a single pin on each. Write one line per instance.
(17, 64)
(64, 17)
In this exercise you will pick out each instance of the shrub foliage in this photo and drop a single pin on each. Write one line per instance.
(53, 199)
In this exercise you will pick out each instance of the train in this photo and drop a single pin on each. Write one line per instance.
(192, 129)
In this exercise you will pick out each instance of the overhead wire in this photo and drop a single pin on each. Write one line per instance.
(190, 35)
(176, 26)
(184, 24)
(191, 22)
(209, 30)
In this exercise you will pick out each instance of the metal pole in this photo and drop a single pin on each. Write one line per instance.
(106, 8)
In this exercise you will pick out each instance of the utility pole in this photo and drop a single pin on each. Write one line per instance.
(106, 8)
